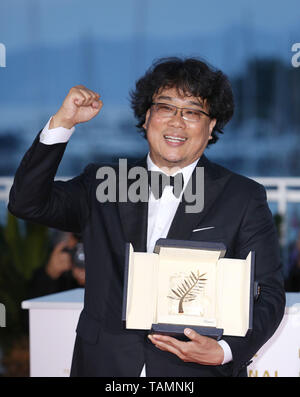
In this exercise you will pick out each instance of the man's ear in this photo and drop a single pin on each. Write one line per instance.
(211, 126)
(145, 125)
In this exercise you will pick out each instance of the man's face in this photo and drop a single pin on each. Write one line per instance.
(162, 132)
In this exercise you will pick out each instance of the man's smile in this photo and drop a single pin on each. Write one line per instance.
(175, 140)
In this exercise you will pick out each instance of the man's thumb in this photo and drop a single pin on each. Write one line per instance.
(191, 334)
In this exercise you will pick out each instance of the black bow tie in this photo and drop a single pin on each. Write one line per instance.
(158, 181)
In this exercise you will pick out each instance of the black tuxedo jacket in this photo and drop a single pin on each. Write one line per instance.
(236, 206)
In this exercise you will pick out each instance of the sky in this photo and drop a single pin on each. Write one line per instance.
(65, 20)
(107, 44)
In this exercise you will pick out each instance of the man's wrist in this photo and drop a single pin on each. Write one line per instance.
(57, 122)
(57, 135)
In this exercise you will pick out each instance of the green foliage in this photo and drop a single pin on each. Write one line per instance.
(24, 247)
(27, 249)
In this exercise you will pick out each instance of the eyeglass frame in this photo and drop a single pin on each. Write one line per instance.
(181, 110)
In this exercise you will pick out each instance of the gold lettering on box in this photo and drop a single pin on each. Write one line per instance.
(252, 373)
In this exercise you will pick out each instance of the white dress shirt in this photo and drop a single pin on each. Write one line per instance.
(161, 211)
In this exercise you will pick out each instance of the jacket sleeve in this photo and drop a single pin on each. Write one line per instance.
(36, 197)
(257, 233)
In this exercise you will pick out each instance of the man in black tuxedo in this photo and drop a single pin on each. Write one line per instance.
(181, 105)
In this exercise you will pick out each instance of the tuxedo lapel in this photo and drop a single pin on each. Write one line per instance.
(134, 218)
(184, 222)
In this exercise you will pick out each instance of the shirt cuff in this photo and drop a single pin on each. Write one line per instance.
(227, 351)
(55, 135)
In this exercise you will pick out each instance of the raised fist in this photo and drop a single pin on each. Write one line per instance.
(79, 106)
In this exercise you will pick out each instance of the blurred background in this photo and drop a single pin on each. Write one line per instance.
(107, 45)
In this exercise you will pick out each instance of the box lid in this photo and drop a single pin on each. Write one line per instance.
(190, 244)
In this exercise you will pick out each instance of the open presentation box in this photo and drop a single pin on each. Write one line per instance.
(188, 284)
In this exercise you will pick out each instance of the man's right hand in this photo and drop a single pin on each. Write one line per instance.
(79, 106)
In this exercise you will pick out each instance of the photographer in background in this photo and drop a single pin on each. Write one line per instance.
(64, 269)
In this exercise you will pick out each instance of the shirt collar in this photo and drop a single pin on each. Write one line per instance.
(186, 171)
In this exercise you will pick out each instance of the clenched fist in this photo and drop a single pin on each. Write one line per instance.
(79, 106)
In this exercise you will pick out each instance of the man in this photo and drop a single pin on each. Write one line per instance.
(180, 105)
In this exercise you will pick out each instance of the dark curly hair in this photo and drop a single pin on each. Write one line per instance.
(190, 76)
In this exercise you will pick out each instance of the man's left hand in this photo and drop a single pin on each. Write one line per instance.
(200, 349)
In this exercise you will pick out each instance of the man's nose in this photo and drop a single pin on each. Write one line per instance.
(177, 119)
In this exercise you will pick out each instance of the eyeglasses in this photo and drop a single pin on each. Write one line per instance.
(167, 110)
